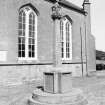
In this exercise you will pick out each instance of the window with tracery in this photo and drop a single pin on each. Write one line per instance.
(27, 34)
(66, 42)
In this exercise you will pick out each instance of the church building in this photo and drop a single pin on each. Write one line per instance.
(42, 35)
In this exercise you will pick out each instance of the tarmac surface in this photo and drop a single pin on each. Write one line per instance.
(93, 87)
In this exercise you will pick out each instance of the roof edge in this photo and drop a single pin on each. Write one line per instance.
(70, 5)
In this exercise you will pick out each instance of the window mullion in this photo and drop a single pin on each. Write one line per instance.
(64, 41)
(26, 37)
(35, 37)
(70, 46)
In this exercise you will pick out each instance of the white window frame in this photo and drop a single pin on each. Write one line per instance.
(27, 12)
(65, 20)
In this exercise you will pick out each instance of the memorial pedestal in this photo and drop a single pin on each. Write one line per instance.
(57, 82)
(57, 91)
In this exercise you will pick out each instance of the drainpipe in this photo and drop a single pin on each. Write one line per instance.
(81, 52)
(86, 46)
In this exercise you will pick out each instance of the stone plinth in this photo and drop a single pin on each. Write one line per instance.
(75, 97)
(57, 91)
(57, 82)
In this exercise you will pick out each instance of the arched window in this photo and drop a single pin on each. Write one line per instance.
(66, 41)
(27, 34)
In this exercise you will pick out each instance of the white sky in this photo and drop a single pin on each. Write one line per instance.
(97, 20)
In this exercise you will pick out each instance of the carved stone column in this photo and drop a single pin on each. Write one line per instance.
(56, 16)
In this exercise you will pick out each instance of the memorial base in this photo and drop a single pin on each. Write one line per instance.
(74, 97)
(57, 90)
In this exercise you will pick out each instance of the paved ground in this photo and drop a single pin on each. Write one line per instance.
(93, 87)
